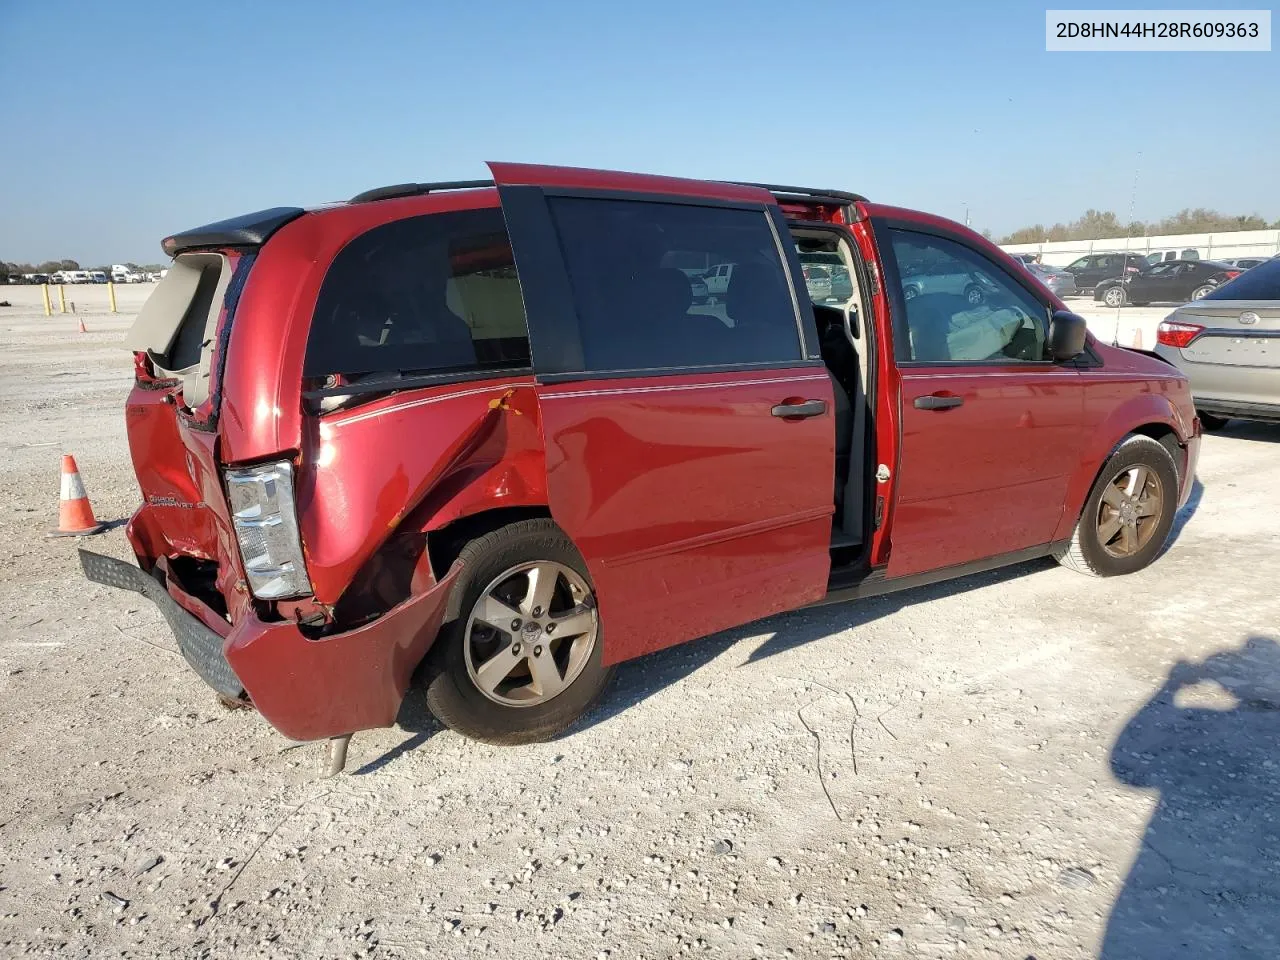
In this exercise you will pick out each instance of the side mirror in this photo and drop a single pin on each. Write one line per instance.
(1067, 333)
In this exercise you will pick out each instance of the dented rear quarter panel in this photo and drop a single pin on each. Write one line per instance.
(416, 460)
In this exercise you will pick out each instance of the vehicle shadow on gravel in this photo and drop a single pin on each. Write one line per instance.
(1206, 882)
(414, 719)
(1250, 430)
(1184, 514)
(639, 679)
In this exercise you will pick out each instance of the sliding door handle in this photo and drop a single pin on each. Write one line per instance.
(937, 402)
(800, 410)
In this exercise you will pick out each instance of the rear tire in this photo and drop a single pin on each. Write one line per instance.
(1139, 476)
(1114, 297)
(1199, 293)
(510, 657)
(1211, 421)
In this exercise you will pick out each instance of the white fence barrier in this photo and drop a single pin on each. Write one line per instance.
(1207, 246)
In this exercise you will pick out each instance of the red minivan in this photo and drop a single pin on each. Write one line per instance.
(482, 434)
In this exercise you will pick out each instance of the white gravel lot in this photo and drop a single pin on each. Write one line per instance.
(1011, 765)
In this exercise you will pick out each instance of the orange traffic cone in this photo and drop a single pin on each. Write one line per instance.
(82, 326)
(1137, 338)
(75, 515)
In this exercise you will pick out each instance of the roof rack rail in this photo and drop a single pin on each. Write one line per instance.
(416, 189)
(840, 195)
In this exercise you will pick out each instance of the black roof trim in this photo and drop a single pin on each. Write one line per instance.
(809, 193)
(247, 230)
(417, 189)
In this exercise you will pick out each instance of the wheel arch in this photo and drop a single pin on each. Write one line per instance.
(446, 542)
(1146, 415)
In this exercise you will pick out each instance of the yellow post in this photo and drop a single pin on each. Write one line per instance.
(48, 304)
(111, 295)
(62, 298)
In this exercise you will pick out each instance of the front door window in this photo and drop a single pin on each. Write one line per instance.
(961, 307)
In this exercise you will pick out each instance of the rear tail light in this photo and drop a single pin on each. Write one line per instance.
(266, 525)
(1232, 274)
(1170, 333)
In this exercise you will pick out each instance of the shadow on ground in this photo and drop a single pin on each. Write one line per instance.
(1250, 430)
(639, 679)
(1206, 882)
(416, 720)
(1184, 514)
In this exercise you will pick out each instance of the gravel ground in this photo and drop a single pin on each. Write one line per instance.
(1027, 763)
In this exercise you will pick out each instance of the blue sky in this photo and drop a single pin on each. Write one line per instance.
(132, 120)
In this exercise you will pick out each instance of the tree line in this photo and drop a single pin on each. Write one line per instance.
(10, 269)
(1100, 224)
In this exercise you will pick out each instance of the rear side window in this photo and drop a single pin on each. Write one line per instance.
(1260, 283)
(429, 294)
(632, 266)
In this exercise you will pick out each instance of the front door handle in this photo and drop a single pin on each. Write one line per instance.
(801, 410)
(937, 402)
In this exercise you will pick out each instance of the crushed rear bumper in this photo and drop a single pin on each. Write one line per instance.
(308, 688)
(201, 647)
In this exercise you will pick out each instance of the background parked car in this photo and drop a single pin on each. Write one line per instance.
(1160, 256)
(1056, 279)
(817, 280)
(1174, 281)
(1228, 345)
(1245, 263)
(1091, 270)
(831, 282)
(919, 279)
(717, 280)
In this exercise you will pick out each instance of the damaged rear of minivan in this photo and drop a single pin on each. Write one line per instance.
(287, 487)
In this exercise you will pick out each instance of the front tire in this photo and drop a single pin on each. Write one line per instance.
(1129, 512)
(520, 658)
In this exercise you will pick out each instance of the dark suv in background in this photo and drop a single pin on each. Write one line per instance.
(1091, 270)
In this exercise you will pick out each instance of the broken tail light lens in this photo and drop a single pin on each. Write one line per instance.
(265, 517)
(1171, 333)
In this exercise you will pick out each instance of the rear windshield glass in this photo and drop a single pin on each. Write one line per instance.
(429, 294)
(1260, 283)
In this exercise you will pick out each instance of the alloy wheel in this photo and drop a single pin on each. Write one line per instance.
(530, 633)
(1130, 510)
(1114, 297)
